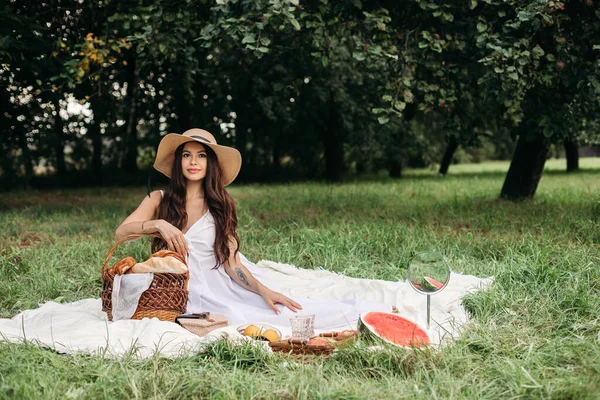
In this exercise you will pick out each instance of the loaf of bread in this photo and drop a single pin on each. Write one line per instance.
(168, 253)
(163, 261)
(168, 264)
(122, 266)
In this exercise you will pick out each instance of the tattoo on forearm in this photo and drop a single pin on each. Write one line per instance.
(242, 276)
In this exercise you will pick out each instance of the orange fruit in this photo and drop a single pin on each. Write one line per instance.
(271, 335)
(252, 330)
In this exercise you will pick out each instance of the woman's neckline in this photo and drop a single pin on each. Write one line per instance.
(198, 220)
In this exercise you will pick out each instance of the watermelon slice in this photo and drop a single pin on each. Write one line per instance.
(433, 282)
(393, 329)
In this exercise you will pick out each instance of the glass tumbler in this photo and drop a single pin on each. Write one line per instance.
(303, 327)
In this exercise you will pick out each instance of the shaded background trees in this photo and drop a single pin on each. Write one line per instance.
(304, 89)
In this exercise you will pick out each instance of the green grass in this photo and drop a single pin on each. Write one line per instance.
(535, 333)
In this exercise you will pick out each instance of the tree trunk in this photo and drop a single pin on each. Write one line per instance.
(59, 144)
(157, 114)
(334, 153)
(184, 112)
(361, 167)
(94, 129)
(572, 153)
(394, 156)
(246, 116)
(526, 169)
(131, 139)
(7, 163)
(184, 102)
(333, 158)
(276, 152)
(241, 140)
(448, 154)
(334, 147)
(395, 169)
(27, 160)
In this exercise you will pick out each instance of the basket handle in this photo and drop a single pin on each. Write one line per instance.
(120, 242)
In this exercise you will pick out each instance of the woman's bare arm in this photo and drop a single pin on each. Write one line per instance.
(132, 225)
(140, 221)
(240, 274)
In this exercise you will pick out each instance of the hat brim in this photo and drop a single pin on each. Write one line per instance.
(230, 159)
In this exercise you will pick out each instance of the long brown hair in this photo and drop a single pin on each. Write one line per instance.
(220, 204)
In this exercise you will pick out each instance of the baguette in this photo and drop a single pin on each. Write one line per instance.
(168, 264)
(168, 253)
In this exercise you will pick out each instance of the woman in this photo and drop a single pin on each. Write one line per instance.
(197, 218)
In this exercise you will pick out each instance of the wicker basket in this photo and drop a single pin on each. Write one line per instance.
(302, 348)
(165, 299)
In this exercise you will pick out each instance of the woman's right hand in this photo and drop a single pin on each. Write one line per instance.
(174, 237)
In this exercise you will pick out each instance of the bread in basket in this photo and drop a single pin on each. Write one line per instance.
(167, 296)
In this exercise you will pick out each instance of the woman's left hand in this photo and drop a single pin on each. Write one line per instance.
(272, 298)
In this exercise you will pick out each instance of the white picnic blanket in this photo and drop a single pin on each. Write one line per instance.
(82, 326)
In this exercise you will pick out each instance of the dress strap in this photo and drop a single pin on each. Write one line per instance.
(162, 194)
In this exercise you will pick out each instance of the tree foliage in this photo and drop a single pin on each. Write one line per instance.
(305, 89)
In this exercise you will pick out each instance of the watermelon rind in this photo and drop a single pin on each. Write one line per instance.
(399, 331)
(430, 282)
(428, 287)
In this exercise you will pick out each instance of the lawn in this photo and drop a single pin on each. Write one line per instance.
(534, 334)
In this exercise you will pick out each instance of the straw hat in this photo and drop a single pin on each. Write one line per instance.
(230, 160)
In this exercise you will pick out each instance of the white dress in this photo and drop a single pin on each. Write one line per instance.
(214, 291)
